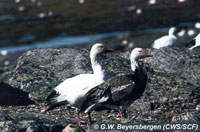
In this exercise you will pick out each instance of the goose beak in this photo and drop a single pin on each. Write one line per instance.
(108, 50)
(147, 54)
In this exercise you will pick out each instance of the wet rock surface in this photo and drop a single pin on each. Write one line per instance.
(170, 95)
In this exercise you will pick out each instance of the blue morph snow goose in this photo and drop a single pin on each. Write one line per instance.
(73, 90)
(119, 92)
(167, 40)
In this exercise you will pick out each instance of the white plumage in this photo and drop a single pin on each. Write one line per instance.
(73, 89)
(165, 41)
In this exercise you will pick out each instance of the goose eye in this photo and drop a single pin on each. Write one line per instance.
(102, 47)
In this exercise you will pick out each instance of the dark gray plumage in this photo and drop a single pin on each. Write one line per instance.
(119, 92)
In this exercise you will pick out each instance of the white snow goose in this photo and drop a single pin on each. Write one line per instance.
(119, 92)
(73, 90)
(194, 43)
(167, 40)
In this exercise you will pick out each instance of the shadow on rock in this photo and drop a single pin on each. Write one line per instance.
(13, 96)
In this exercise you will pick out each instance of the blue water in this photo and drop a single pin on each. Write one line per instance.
(60, 41)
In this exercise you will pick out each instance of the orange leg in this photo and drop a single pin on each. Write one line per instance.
(89, 118)
(78, 117)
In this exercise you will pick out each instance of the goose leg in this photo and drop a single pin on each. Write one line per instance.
(121, 114)
(89, 118)
(125, 114)
(78, 117)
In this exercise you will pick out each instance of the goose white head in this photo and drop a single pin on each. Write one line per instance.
(172, 31)
(98, 49)
(136, 54)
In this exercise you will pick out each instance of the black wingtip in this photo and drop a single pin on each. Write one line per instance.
(52, 95)
(51, 101)
(190, 44)
(53, 105)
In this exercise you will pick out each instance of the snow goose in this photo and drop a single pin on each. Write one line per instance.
(194, 43)
(165, 41)
(72, 91)
(119, 92)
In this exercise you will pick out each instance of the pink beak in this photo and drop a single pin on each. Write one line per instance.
(108, 50)
(148, 54)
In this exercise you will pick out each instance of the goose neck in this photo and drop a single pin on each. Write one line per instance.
(97, 68)
(134, 64)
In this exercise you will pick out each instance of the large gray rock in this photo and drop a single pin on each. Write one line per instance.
(181, 62)
(13, 96)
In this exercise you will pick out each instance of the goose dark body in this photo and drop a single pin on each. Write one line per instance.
(120, 91)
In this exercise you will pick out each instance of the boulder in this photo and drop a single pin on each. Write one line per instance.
(13, 96)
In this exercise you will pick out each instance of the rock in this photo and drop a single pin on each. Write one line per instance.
(13, 96)
(7, 64)
(188, 116)
(28, 122)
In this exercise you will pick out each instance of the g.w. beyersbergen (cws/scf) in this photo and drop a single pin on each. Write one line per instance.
(138, 127)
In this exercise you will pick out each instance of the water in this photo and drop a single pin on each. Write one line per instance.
(60, 41)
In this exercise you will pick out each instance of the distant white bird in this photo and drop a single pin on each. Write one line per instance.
(165, 41)
(151, 2)
(190, 32)
(194, 43)
(72, 91)
(197, 25)
(181, 33)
